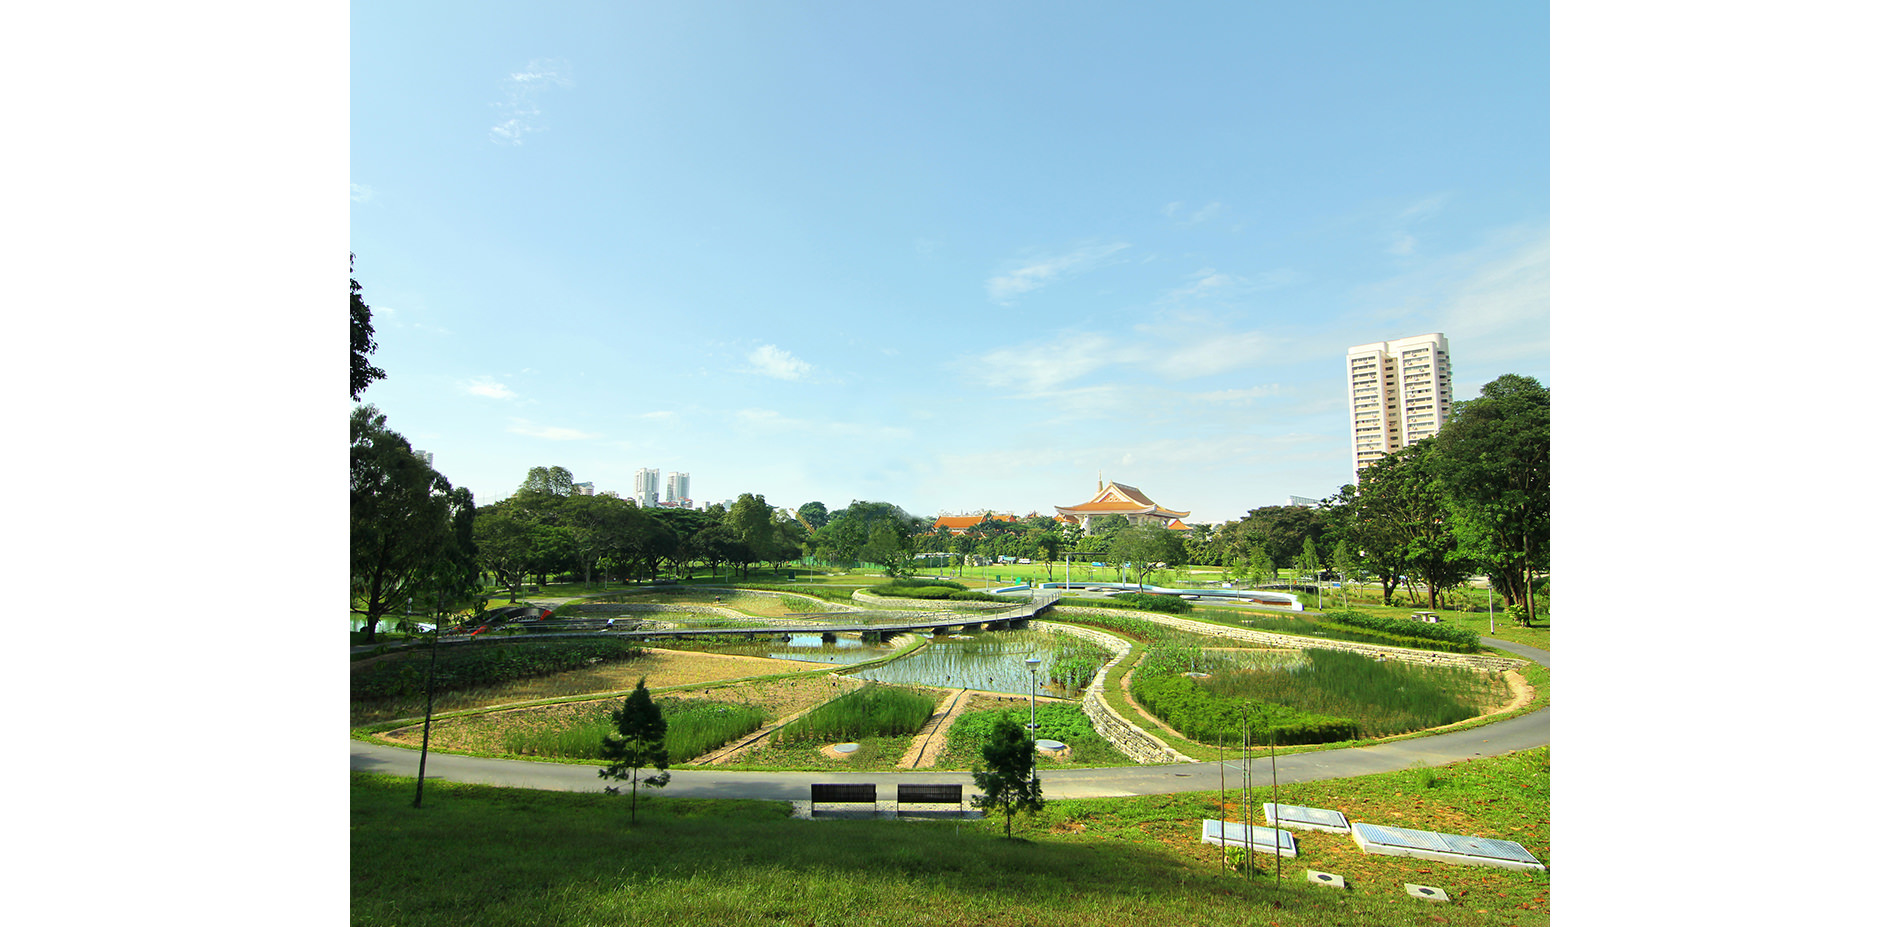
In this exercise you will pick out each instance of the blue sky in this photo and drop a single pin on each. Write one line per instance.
(954, 257)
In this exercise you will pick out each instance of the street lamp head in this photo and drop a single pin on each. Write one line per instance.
(1032, 661)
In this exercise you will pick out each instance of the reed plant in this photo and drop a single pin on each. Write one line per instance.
(1383, 697)
(890, 711)
(694, 727)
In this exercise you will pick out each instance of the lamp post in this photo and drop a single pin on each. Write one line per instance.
(1032, 663)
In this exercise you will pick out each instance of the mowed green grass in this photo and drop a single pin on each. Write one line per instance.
(475, 856)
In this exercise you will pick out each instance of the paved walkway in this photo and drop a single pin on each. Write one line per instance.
(1495, 739)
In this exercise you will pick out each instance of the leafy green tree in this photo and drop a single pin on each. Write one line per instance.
(550, 481)
(405, 520)
(504, 543)
(362, 340)
(1145, 547)
(1007, 775)
(813, 515)
(1494, 461)
(750, 519)
(1403, 521)
(638, 742)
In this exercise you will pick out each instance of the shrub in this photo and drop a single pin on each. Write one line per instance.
(1148, 601)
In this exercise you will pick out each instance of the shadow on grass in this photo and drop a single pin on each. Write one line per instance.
(477, 855)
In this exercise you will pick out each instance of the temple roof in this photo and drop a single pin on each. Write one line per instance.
(961, 523)
(1120, 499)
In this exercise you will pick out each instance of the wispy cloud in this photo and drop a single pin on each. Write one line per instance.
(1403, 241)
(361, 193)
(1208, 283)
(487, 386)
(520, 111)
(776, 362)
(548, 432)
(1180, 214)
(1247, 395)
(1036, 273)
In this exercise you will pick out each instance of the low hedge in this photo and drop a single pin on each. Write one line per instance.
(1133, 601)
(934, 590)
(479, 665)
(1464, 639)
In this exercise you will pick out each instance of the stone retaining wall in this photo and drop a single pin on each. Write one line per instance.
(1483, 662)
(1138, 744)
(931, 604)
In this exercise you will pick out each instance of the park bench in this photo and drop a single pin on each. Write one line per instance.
(837, 794)
(930, 795)
(1429, 617)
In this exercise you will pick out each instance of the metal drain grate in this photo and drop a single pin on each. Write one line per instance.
(1450, 848)
(1306, 818)
(1229, 834)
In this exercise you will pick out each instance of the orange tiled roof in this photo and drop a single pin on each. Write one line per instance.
(961, 523)
(1120, 499)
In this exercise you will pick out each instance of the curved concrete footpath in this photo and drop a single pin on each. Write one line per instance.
(1520, 733)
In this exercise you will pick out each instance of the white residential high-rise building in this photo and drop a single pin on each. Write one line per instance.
(676, 491)
(646, 487)
(1399, 393)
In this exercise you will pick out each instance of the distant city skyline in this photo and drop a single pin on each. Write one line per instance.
(968, 269)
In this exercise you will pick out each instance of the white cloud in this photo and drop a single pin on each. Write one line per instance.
(361, 193)
(1037, 273)
(776, 362)
(549, 432)
(487, 386)
(520, 113)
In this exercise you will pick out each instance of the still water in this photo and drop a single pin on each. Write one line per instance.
(990, 661)
(812, 648)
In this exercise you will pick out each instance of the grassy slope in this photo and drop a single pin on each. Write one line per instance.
(476, 855)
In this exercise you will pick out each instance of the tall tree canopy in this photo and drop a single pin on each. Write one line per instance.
(551, 481)
(1493, 459)
(362, 340)
(412, 534)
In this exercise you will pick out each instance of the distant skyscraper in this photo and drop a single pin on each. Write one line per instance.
(583, 489)
(1400, 393)
(676, 490)
(646, 487)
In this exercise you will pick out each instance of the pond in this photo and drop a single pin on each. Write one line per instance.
(988, 661)
(813, 648)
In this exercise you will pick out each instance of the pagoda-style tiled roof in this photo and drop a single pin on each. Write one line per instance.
(961, 523)
(1120, 499)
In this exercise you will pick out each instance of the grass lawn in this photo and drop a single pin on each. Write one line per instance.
(475, 855)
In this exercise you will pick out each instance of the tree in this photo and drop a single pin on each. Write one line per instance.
(1398, 514)
(405, 519)
(1007, 775)
(551, 481)
(1143, 547)
(813, 515)
(362, 340)
(1494, 461)
(750, 518)
(639, 742)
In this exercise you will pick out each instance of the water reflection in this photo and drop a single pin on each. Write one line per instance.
(813, 648)
(992, 662)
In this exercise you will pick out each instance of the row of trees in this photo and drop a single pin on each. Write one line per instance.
(546, 528)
